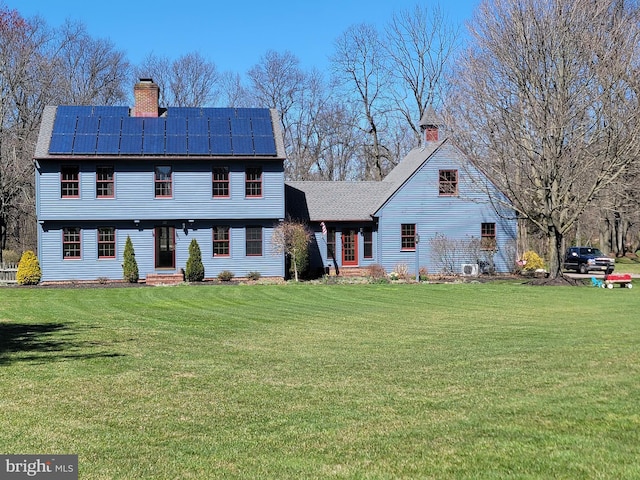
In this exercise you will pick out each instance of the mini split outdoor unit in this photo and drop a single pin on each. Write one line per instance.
(469, 269)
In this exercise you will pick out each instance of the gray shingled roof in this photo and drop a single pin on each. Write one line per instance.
(351, 201)
(335, 201)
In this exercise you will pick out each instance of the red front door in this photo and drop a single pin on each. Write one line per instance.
(349, 247)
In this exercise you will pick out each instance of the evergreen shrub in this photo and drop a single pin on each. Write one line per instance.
(130, 266)
(195, 269)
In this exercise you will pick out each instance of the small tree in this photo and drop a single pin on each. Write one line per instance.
(195, 269)
(29, 272)
(130, 266)
(292, 239)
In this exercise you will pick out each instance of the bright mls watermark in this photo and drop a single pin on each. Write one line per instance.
(50, 467)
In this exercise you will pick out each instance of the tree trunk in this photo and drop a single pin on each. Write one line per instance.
(555, 240)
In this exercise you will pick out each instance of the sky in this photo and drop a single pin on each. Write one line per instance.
(233, 34)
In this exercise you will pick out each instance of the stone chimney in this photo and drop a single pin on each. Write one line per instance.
(146, 94)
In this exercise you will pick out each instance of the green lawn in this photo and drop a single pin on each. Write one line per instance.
(325, 381)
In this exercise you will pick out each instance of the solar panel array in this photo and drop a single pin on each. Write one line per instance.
(79, 130)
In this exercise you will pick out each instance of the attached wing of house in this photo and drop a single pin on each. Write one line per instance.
(427, 213)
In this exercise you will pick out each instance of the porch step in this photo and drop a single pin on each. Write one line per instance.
(164, 278)
(354, 272)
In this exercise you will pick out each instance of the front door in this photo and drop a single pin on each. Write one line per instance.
(349, 247)
(165, 247)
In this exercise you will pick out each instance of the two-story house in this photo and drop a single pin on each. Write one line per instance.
(435, 210)
(161, 176)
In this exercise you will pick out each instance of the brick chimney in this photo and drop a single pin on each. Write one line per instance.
(146, 94)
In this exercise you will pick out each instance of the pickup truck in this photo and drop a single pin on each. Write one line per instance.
(586, 259)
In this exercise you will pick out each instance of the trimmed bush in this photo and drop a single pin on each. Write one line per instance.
(254, 275)
(195, 268)
(130, 266)
(29, 272)
(226, 276)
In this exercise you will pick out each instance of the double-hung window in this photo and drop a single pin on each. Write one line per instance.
(70, 181)
(71, 243)
(163, 181)
(253, 182)
(220, 182)
(254, 241)
(221, 241)
(488, 236)
(408, 236)
(105, 181)
(106, 242)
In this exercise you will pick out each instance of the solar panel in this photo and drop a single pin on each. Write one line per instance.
(110, 125)
(198, 126)
(132, 126)
(264, 145)
(261, 126)
(219, 126)
(240, 126)
(73, 111)
(176, 145)
(219, 112)
(198, 145)
(64, 125)
(154, 126)
(242, 145)
(184, 112)
(131, 144)
(108, 144)
(220, 145)
(85, 144)
(253, 113)
(61, 143)
(87, 125)
(177, 126)
(153, 144)
(110, 111)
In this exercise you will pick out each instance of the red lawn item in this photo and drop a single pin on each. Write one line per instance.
(624, 279)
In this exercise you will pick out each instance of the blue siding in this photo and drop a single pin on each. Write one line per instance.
(89, 267)
(418, 202)
(134, 192)
(459, 217)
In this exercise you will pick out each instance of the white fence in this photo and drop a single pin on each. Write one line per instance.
(8, 272)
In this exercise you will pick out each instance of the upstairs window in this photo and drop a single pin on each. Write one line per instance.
(71, 244)
(253, 182)
(221, 241)
(408, 236)
(106, 242)
(163, 188)
(254, 241)
(488, 236)
(105, 181)
(220, 181)
(70, 181)
(448, 183)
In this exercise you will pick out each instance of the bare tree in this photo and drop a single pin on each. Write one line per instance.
(359, 63)
(292, 238)
(189, 81)
(232, 92)
(89, 71)
(276, 82)
(420, 45)
(547, 104)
